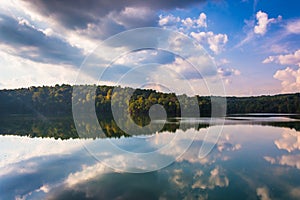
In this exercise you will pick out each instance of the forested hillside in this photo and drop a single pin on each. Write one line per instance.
(57, 100)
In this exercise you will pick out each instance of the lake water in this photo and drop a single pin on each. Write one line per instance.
(255, 157)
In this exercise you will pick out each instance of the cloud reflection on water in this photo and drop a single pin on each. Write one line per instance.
(66, 170)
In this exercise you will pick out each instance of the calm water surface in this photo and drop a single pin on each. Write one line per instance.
(256, 157)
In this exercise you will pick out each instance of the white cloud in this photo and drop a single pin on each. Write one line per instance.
(263, 193)
(290, 160)
(287, 59)
(184, 70)
(200, 37)
(195, 23)
(178, 179)
(290, 79)
(186, 23)
(44, 188)
(48, 32)
(87, 173)
(293, 27)
(285, 160)
(168, 20)
(139, 12)
(290, 140)
(201, 21)
(263, 21)
(16, 149)
(216, 42)
(132, 17)
(23, 22)
(217, 178)
(270, 159)
(25, 73)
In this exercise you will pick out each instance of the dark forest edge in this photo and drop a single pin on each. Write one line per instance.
(57, 101)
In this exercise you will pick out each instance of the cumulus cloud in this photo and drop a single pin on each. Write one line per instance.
(286, 160)
(287, 59)
(290, 140)
(188, 22)
(168, 20)
(290, 160)
(195, 23)
(216, 42)
(201, 21)
(217, 178)
(183, 24)
(263, 21)
(87, 173)
(290, 79)
(225, 144)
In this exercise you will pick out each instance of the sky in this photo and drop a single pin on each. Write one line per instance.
(254, 45)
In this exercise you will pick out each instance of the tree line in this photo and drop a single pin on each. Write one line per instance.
(57, 101)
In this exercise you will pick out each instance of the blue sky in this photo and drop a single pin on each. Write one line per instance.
(254, 44)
